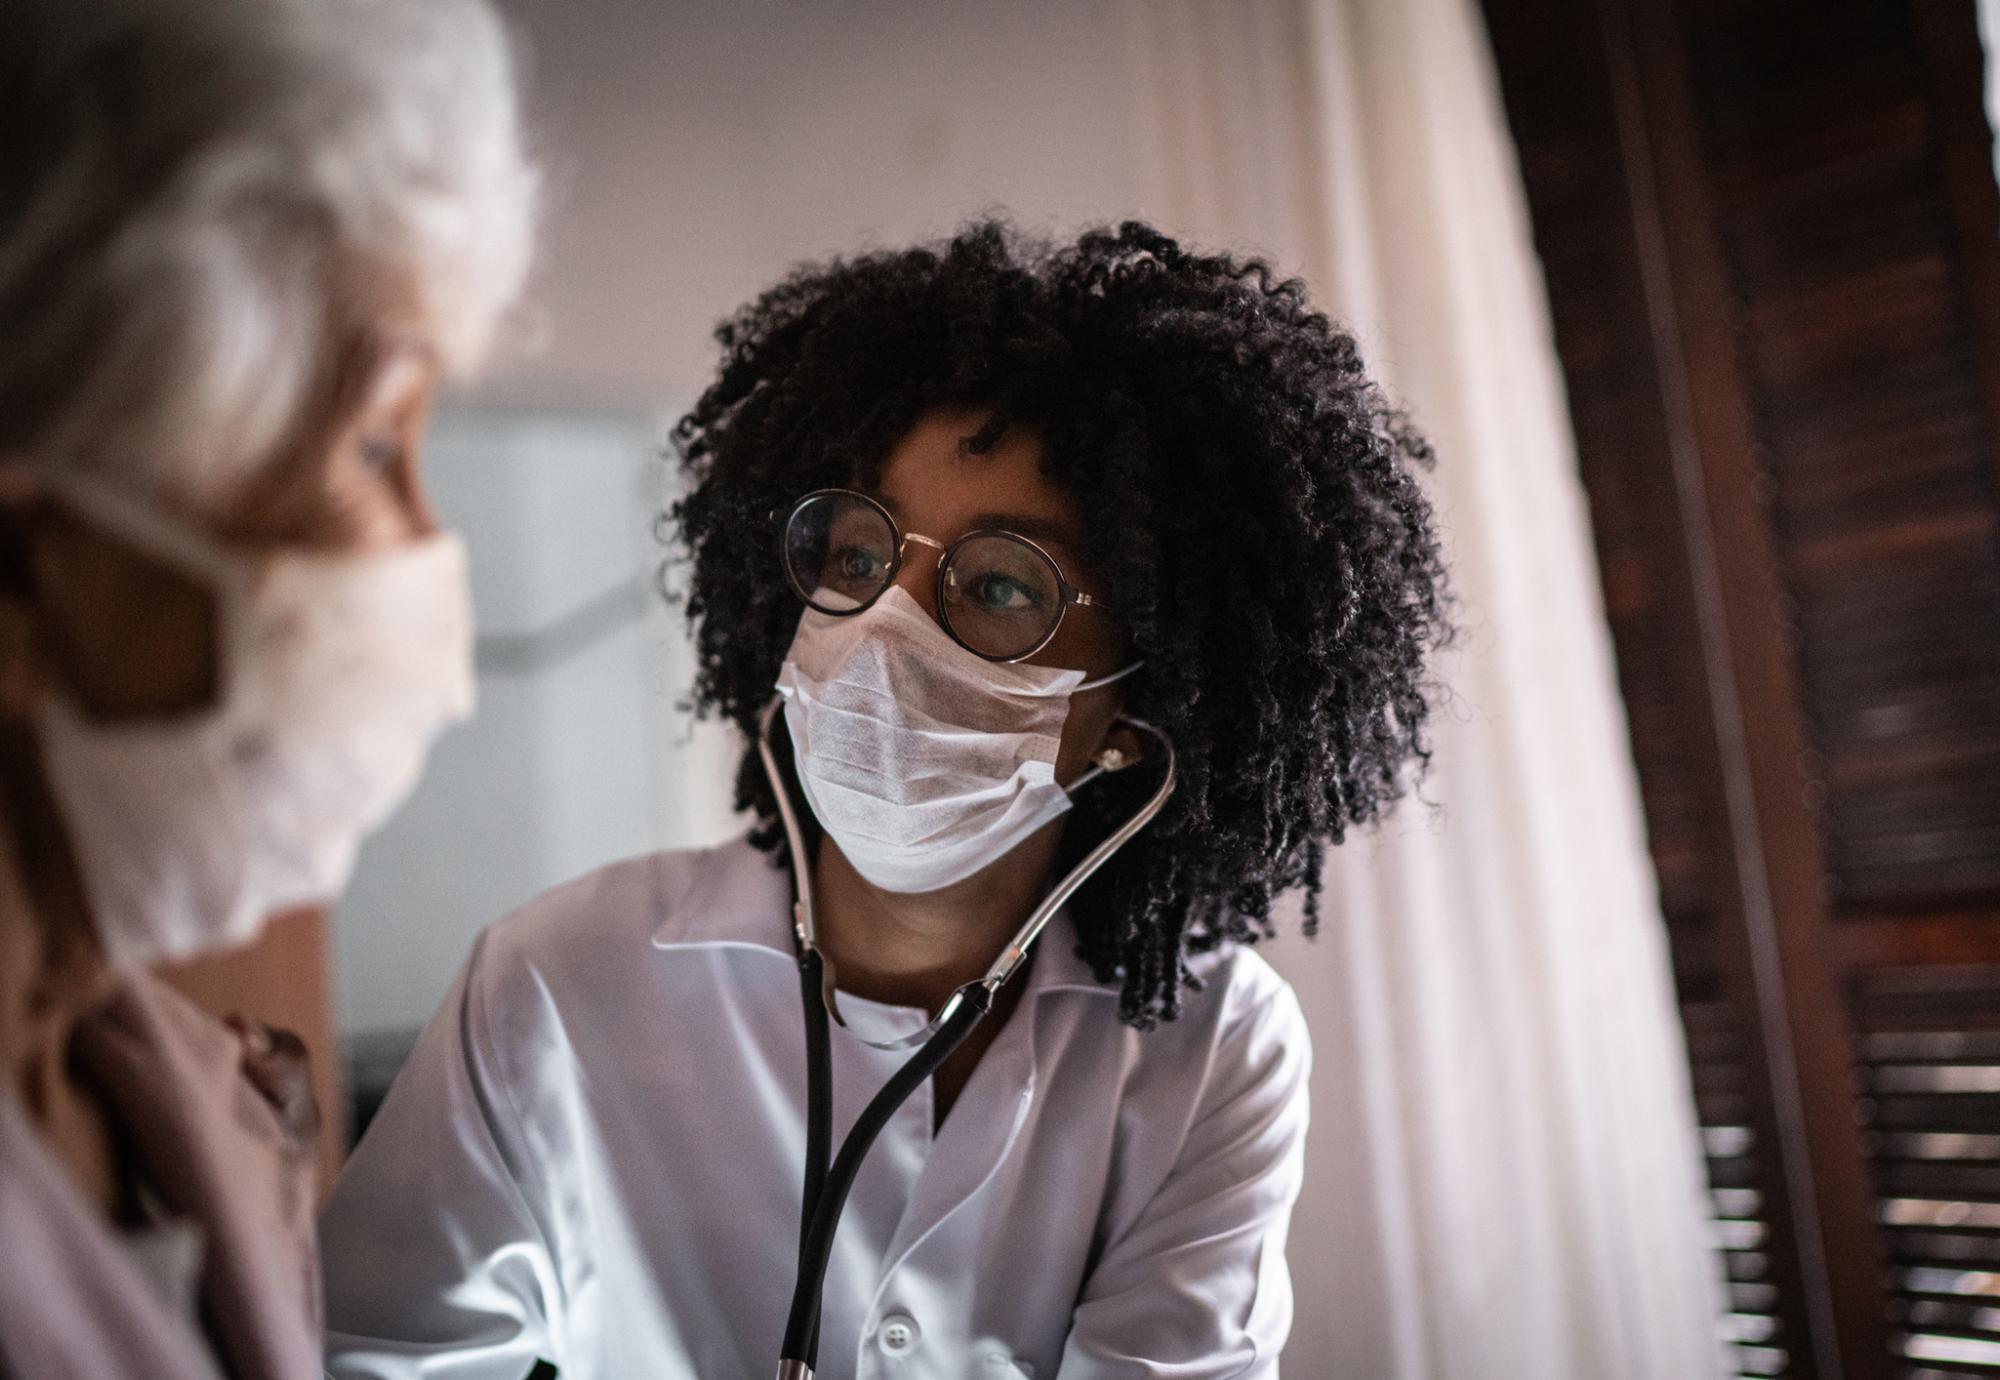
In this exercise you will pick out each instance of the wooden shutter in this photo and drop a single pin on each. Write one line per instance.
(1929, 1044)
(1772, 249)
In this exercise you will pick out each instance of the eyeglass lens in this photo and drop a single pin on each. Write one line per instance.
(999, 595)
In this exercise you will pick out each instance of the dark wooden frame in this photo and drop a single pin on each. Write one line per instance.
(1774, 918)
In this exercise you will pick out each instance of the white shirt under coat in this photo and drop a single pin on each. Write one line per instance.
(595, 1154)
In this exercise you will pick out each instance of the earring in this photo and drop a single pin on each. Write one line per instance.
(1113, 759)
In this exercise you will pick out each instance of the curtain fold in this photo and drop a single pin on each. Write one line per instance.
(1504, 1176)
(1989, 40)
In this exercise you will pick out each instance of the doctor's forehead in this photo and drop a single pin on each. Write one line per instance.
(935, 486)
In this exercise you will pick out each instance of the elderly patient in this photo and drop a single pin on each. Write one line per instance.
(240, 241)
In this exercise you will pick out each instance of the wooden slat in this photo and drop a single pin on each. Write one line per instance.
(1829, 145)
(1928, 1046)
(1869, 940)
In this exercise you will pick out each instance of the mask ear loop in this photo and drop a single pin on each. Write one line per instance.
(172, 541)
(161, 536)
(1111, 679)
(1111, 759)
(1016, 951)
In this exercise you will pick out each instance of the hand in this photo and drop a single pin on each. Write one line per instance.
(278, 1066)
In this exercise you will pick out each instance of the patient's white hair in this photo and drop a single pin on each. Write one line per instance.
(210, 209)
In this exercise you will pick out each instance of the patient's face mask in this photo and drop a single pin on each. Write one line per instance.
(923, 761)
(338, 671)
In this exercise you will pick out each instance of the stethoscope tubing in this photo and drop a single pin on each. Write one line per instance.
(827, 1185)
(824, 1208)
(819, 1131)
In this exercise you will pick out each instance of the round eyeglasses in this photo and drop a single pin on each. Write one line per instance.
(999, 595)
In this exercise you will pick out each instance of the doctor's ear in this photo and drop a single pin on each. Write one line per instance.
(1123, 746)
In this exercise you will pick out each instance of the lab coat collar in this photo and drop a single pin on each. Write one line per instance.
(736, 898)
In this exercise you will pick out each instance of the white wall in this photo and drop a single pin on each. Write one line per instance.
(697, 149)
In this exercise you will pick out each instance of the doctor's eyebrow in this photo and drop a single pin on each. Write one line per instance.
(1054, 533)
(1049, 531)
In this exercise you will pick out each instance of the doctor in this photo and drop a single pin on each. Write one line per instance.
(979, 513)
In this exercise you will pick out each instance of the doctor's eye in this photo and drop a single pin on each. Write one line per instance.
(839, 550)
(1001, 597)
(1002, 576)
(857, 564)
(998, 592)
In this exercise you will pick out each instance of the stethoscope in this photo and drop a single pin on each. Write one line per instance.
(826, 1186)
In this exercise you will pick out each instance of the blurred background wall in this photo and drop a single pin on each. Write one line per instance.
(697, 148)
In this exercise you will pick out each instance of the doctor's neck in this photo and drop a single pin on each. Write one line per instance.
(917, 949)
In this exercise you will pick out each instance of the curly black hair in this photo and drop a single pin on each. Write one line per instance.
(1250, 497)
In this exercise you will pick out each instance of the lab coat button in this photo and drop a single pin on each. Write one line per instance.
(899, 1334)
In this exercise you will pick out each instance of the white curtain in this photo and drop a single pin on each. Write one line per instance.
(1504, 1177)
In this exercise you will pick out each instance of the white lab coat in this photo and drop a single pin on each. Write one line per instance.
(594, 1156)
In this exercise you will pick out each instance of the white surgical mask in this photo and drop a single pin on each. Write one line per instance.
(337, 671)
(923, 761)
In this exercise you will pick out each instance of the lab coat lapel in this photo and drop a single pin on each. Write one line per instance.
(976, 1137)
(983, 1127)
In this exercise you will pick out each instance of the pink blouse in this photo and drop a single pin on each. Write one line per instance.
(210, 1151)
